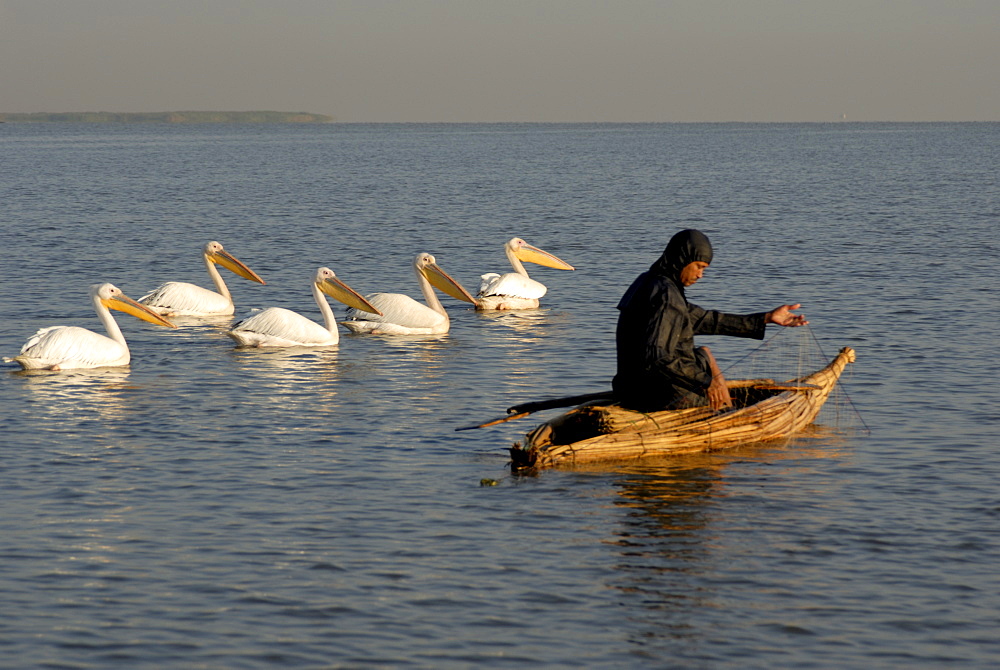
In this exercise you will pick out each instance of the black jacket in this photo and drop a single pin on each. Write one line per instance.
(658, 365)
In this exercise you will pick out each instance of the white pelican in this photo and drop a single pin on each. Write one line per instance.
(68, 347)
(401, 314)
(280, 327)
(516, 290)
(182, 299)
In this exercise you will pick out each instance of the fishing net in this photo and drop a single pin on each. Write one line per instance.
(793, 353)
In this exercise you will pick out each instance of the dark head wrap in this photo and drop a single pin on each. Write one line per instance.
(684, 248)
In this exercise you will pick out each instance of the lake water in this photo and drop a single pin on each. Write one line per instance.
(216, 508)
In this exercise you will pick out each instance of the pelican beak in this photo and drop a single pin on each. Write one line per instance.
(233, 264)
(338, 290)
(535, 255)
(123, 303)
(440, 280)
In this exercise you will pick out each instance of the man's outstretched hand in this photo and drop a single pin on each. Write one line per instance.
(783, 316)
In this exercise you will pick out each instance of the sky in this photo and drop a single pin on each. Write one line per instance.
(509, 60)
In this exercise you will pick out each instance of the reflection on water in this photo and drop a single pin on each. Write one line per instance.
(202, 323)
(665, 489)
(286, 362)
(408, 367)
(529, 322)
(363, 376)
(675, 529)
(79, 409)
(96, 393)
(290, 379)
(526, 346)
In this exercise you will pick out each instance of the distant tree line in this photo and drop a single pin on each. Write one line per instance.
(168, 117)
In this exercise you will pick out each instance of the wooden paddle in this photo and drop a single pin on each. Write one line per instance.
(524, 409)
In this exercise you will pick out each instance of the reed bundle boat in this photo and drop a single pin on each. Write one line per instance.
(601, 430)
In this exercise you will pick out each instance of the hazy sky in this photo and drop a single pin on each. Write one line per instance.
(508, 60)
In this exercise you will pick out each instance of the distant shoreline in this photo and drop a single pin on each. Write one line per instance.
(166, 117)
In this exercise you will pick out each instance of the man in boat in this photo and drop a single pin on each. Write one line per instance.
(658, 365)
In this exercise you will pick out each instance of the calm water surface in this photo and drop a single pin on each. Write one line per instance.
(218, 508)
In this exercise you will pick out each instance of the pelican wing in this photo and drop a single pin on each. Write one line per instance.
(511, 284)
(277, 326)
(181, 298)
(397, 309)
(486, 281)
(70, 347)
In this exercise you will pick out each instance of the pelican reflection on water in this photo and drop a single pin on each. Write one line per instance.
(70, 347)
(184, 299)
(93, 394)
(516, 290)
(280, 327)
(401, 314)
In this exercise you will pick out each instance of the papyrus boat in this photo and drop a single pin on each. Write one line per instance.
(603, 431)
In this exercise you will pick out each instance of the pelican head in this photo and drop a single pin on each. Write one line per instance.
(532, 254)
(328, 282)
(214, 252)
(427, 267)
(112, 297)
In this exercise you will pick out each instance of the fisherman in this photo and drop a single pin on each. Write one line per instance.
(658, 365)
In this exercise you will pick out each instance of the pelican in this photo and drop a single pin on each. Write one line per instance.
(401, 314)
(280, 327)
(69, 347)
(182, 299)
(516, 290)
